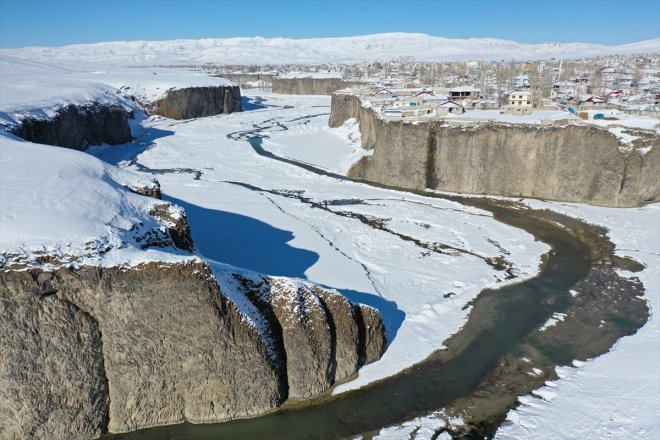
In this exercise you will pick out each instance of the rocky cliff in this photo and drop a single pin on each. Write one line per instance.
(196, 102)
(92, 350)
(585, 164)
(78, 126)
(310, 86)
(242, 78)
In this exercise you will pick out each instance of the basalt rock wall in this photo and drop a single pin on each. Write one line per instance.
(242, 78)
(582, 164)
(196, 102)
(93, 350)
(310, 86)
(78, 126)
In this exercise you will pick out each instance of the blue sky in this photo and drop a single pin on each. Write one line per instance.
(56, 23)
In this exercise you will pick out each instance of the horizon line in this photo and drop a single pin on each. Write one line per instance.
(330, 37)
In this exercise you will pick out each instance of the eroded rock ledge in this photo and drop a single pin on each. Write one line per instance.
(583, 164)
(310, 86)
(93, 350)
(196, 102)
(78, 126)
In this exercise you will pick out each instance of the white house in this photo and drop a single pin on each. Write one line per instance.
(450, 107)
(522, 81)
(519, 103)
(592, 101)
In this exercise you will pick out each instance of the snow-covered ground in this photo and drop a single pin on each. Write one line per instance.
(248, 211)
(27, 86)
(334, 149)
(620, 119)
(258, 50)
(31, 87)
(498, 116)
(74, 209)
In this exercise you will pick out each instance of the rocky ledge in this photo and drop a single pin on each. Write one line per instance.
(93, 350)
(575, 163)
(310, 86)
(196, 102)
(78, 126)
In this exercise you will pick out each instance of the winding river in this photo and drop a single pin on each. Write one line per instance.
(482, 371)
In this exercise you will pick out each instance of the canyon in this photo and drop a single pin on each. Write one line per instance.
(583, 164)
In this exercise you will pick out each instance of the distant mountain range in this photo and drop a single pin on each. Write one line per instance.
(258, 50)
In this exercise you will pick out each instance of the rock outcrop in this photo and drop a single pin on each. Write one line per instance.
(196, 102)
(78, 126)
(310, 86)
(323, 336)
(584, 164)
(266, 79)
(93, 350)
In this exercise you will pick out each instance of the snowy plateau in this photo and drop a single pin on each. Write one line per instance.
(251, 212)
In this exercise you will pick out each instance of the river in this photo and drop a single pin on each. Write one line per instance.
(502, 331)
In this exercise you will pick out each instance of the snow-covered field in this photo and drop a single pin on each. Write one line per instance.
(28, 86)
(258, 50)
(537, 117)
(74, 209)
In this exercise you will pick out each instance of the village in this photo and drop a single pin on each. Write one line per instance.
(546, 91)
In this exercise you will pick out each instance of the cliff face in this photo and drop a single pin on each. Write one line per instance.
(579, 164)
(92, 350)
(78, 126)
(575, 163)
(242, 78)
(196, 102)
(310, 86)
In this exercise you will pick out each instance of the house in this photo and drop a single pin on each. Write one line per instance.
(384, 92)
(450, 107)
(409, 101)
(522, 82)
(519, 103)
(465, 92)
(424, 94)
(592, 101)
(482, 104)
(615, 94)
(393, 112)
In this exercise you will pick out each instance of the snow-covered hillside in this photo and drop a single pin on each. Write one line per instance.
(258, 50)
(31, 85)
(60, 206)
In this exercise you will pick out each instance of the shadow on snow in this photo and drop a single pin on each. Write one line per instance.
(251, 244)
(253, 103)
(143, 139)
